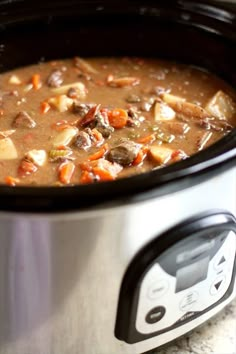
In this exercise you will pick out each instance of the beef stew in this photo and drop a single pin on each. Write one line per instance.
(80, 121)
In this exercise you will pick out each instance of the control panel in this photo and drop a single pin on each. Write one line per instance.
(202, 276)
(180, 276)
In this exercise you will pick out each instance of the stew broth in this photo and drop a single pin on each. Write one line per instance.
(82, 121)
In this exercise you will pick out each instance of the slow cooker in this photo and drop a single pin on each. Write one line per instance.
(126, 266)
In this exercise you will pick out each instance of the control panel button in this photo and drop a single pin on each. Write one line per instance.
(158, 289)
(155, 315)
(220, 263)
(217, 285)
(189, 301)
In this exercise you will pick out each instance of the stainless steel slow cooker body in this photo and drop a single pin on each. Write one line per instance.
(76, 263)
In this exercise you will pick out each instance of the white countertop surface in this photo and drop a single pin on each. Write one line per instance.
(217, 336)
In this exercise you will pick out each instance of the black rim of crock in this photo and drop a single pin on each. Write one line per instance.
(213, 161)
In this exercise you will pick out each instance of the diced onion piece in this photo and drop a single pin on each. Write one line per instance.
(163, 112)
(6, 133)
(62, 103)
(171, 99)
(221, 106)
(161, 155)
(78, 86)
(38, 157)
(7, 149)
(15, 80)
(64, 137)
(28, 87)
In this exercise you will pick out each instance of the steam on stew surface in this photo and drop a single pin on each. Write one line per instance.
(82, 121)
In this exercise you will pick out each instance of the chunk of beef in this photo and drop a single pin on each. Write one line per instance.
(132, 120)
(132, 98)
(23, 120)
(83, 140)
(55, 79)
(102, 124)
(96, 118)
(81, 108)
(124, 153)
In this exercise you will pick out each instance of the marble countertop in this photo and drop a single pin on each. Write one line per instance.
(217, 336)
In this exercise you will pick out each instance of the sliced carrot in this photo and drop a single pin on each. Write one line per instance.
(61, 147)
(66, 170)
(106, 170)
(36, 81)
(178, 155)
(45, 107)
(86, 177)
(97, 135)
(118, 118)
(103, 169)
(100, 153)
(104, 175)
(147, 139)
(140, 157)
(26, 168)
(86, 166)
(60, 125)
(11, 181)
(1, 112)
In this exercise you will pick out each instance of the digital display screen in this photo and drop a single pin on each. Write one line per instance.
(191, 274)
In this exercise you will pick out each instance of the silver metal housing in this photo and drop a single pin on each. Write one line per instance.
(60, 274)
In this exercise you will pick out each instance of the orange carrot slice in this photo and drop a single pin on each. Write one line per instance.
(26, 168)
(45, 107)
(103, 174)
(36, 81)
(118, 118)
(100, 153)
(86, 177)
(97, 135)
(140, 157)
(103, 169)
(66, 170)
(11, 181)
(147, 139)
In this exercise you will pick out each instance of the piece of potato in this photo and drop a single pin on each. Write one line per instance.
(163, 112)
(62, 103)
(161, 155)
(221, 106)
(80, 88)
(64, 137)
(7, 149)
(38, 157)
